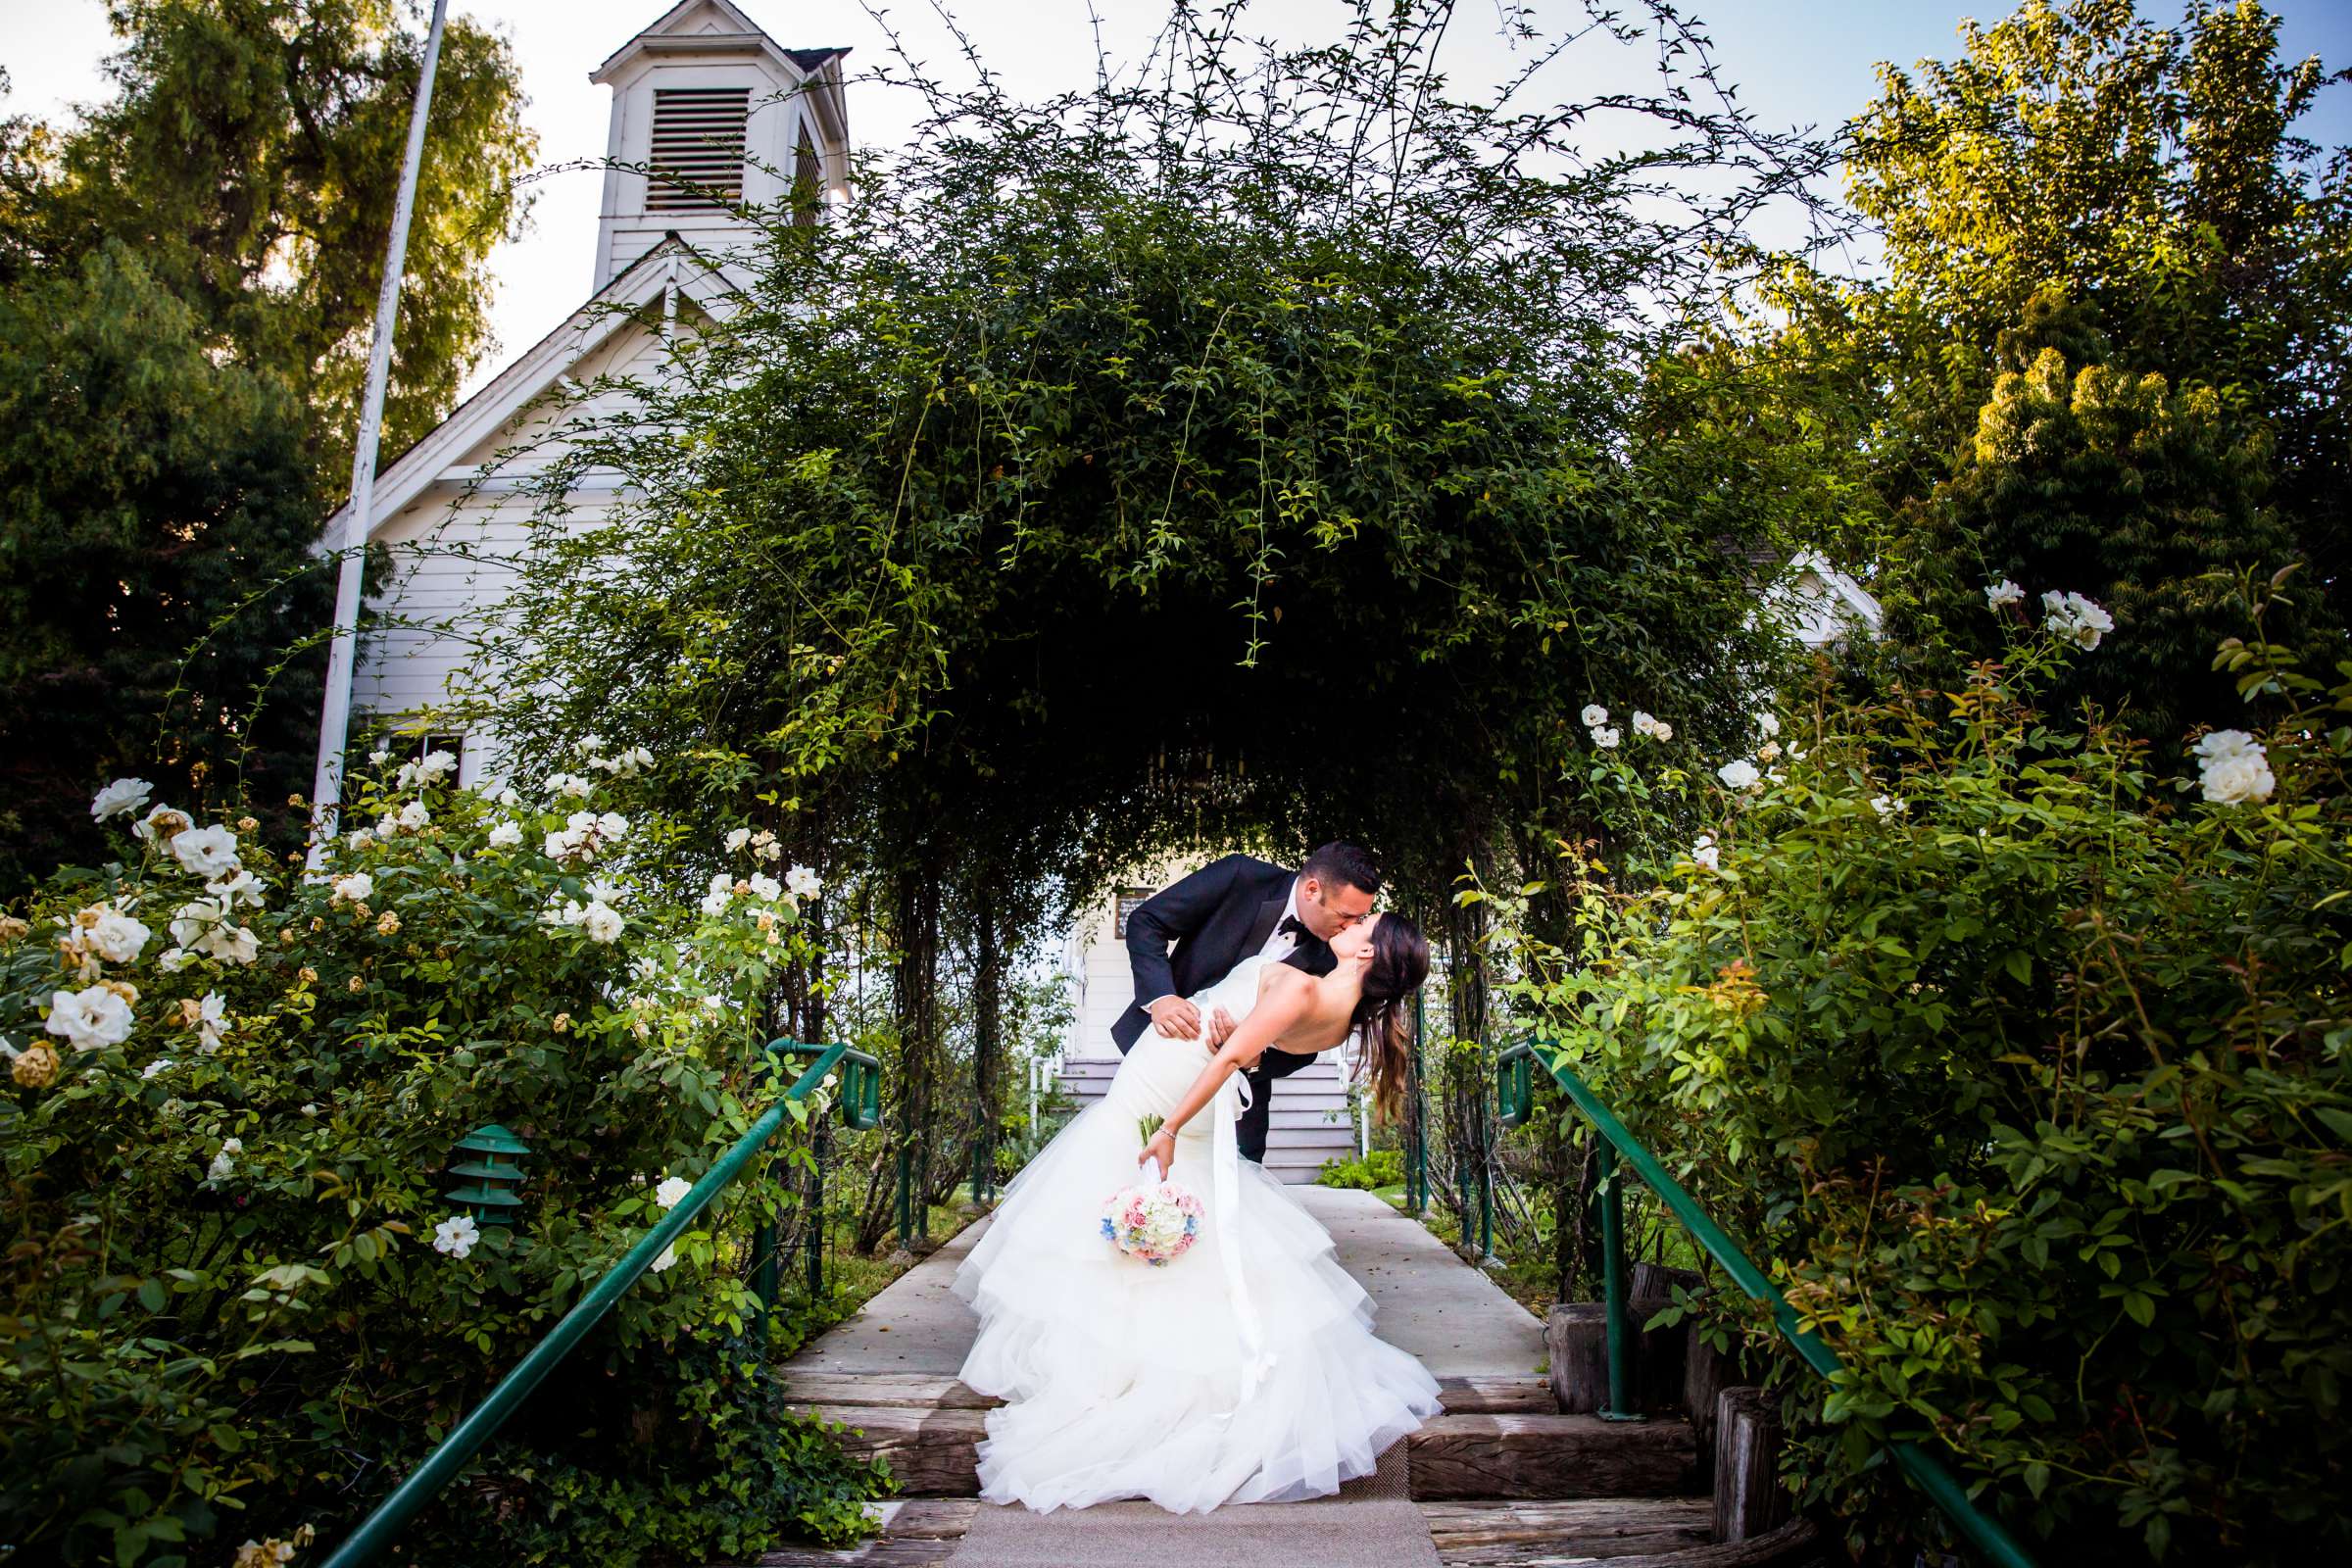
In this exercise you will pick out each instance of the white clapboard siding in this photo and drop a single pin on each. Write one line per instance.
(1309, 1126)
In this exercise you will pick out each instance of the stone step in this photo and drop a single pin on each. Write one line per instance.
(1623, 1533)
(1486, 1454)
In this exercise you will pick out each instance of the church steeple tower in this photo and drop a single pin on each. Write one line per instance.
(733, 118)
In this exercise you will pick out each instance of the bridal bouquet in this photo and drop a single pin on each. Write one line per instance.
(1155, 1221)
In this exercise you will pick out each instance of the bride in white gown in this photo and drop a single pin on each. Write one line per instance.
(1246, 1369)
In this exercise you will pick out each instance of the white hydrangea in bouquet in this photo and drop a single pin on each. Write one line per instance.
(1157, 1221)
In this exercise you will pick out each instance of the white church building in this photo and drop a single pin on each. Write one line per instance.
(702, 94)
(737, 119)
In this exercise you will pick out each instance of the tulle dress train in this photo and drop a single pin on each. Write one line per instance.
(1244, 1371)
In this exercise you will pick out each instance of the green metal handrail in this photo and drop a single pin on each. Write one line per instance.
(860, 1103)
(1514, 1094)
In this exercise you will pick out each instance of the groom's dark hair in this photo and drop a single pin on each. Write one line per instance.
(1347, 863)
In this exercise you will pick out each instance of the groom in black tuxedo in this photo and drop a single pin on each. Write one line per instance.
(1222, 914)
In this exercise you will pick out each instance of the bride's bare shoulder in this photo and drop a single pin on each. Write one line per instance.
(1281, 979)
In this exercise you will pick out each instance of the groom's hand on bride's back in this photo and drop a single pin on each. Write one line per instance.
(1175, 1017)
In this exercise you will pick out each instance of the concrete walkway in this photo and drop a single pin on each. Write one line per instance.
(1456, 1320)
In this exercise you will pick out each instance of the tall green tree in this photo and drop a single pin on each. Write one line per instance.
(251, 155)
(188, 272)
(2135, 197)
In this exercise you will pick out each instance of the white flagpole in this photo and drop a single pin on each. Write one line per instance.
(335, 720)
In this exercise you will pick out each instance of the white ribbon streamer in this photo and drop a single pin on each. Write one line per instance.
(1233, 1097)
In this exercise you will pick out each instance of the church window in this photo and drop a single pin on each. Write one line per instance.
(1130, 899)
(699, 139)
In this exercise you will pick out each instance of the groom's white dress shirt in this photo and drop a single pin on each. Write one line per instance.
(1279, 946)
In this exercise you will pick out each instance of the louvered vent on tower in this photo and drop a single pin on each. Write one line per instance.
(698, 136)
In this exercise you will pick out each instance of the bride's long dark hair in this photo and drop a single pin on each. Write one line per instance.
(1400, 963)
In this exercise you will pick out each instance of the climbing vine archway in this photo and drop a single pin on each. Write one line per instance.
(1150, 467)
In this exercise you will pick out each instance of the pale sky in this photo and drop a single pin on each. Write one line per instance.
(1796, 62)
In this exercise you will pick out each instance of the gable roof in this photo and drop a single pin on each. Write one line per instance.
(673, 264)
(727, 32)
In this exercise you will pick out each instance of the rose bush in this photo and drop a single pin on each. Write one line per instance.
(2027, 1072)
(239, 1304)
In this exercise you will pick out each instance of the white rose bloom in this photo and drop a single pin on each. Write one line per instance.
(560, 845)
(239, 945)
(123, 798)
(1705, 852)
(714, 903)
(1769, 722)
(173, 960)
(721, 882)
(160, 1064)
(738, 839)
(356, 888)
(509, 799)
(771, 851)
(241, 886)
(661, 1264)
(456, 1236)
(110, 934)
(387, 826)
(1607, 738)
(588, 744)
(613, 827)
(1643, 723)
(1659, 730)
(435, 765)
(803, 882)
(2233, 768)
(413, 815)
(223, 1163)
(668, 1194)
(89, 1020)
(568, 784)
(2076, 618)
(212, 1021)
(2002, 593)
(601, 923)
(1769, 751)
(1888, 805)
(361, 839)
(1740, 774)
(379, 757)
(1594, 714)
(766, 887)
(506, 835)
(206, 852)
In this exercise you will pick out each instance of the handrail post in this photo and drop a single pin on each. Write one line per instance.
(1622, 1405)
(821, 1151)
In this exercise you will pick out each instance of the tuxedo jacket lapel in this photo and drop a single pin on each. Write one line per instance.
(1263, 927)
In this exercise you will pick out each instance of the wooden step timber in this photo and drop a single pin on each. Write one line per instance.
(1552, 1531)
(840, 1393)
(934, 1453)
(1461, 1457)
(1498, 1440)
(1789, 1546)
(917, 1533)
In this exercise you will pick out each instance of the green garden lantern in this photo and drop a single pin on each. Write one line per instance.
(495, 1172)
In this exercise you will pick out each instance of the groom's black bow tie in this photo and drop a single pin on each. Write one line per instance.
(1292, 926)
